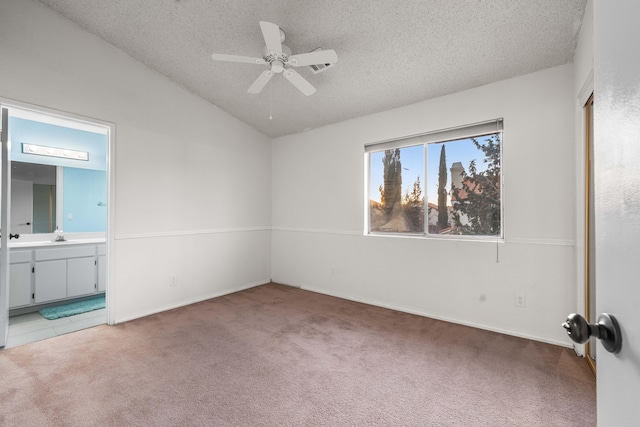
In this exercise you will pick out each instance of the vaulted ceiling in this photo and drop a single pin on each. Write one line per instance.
(390, 53)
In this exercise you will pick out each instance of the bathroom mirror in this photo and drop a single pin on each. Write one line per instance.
(33, 198)
(46, 197)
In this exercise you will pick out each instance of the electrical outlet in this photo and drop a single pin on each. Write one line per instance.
(173, 281)
(521, 300)
(333, 271)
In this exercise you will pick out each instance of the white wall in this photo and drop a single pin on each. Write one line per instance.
(583, 56)
(318, 214)
(192, 184)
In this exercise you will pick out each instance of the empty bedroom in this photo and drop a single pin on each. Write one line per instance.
(331, 213)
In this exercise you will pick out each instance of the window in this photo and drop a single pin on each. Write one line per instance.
(445, 183)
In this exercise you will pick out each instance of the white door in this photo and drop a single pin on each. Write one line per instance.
(5, 179)
(617, 204)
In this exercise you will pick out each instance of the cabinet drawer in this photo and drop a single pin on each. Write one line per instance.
(63, 253)
(19, 256)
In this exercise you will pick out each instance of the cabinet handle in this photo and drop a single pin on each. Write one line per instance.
(12, 236)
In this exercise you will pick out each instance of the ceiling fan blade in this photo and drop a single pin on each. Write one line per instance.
(318, 57)
(236, 58)
(271, 34)
(261, 81)
(299, 82)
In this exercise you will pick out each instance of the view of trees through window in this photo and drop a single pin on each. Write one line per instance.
(462, 194)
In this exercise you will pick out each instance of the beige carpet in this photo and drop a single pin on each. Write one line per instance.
(279, 356)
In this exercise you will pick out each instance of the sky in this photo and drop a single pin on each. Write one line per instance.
(412, 159)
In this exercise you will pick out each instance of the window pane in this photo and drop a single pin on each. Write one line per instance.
(464, 186)
(396, 204)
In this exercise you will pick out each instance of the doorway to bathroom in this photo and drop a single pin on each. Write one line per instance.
(55, 216)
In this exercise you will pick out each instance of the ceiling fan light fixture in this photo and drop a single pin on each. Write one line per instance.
(277, 66)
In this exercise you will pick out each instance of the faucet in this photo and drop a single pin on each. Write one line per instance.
(59, 237)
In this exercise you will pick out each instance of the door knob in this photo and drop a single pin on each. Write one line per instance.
(14, 236)
(607, 330)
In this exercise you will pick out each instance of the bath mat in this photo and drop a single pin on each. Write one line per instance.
(73, 308)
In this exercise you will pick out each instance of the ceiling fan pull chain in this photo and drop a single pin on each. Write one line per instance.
(270, 92)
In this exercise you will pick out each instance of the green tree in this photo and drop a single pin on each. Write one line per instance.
(443, 215)
(413, 204)
(476, 206)
(391, 192)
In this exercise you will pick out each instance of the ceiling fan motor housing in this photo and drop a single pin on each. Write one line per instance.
(271, 56)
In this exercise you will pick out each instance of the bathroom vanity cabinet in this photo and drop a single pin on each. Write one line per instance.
(43, 274)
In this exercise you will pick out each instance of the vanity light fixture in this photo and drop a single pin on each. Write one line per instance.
(54, 152)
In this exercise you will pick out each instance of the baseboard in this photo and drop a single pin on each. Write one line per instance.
(285, 284)
(190, 301)
(436, 316)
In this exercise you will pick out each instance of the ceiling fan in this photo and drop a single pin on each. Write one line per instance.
(279, 59)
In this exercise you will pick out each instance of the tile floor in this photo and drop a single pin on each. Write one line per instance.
(33, 327)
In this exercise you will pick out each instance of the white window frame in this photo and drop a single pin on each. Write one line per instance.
(475, 130)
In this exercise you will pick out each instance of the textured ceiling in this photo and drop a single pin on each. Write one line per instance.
(390, 53)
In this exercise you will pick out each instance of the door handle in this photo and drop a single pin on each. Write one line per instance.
(607, 330)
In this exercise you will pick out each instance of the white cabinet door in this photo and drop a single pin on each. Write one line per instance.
(102, 273)
(20, 284)
(50, 280)
(81, 276)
